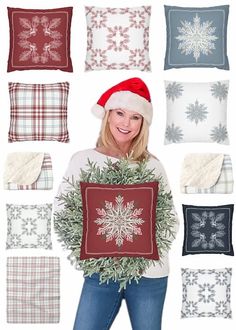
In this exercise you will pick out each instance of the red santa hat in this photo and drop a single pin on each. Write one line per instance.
(131, 94)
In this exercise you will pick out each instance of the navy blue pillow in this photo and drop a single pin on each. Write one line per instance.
(208, 229)
(196, 37)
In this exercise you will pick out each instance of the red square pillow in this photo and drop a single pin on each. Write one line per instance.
(39, 39)
(119, 220)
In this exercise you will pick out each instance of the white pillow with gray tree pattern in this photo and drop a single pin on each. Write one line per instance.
(206, 292)
(196, 112)
(29, 226)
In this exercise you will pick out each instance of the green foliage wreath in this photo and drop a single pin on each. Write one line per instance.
(68, 222)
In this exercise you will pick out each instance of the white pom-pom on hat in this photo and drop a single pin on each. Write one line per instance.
(98, 111)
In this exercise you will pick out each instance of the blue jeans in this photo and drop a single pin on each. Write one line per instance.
(100, 303)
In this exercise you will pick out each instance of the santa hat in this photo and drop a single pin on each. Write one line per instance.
(131, 95)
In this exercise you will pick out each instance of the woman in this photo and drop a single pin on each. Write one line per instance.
(126, 111)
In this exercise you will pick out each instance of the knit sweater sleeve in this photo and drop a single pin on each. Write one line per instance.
(72, 172)
(160, 172)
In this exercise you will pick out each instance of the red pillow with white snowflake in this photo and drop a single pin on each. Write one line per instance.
(119, 220)
(118, 38)
(39, 39)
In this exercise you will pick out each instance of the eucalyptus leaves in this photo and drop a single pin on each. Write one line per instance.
(68, 222)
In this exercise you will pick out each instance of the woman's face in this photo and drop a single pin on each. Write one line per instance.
(124, 125)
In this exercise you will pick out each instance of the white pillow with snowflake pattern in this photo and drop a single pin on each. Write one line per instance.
(117, 38)
(29, 226)
(196, 112)
(206, 293)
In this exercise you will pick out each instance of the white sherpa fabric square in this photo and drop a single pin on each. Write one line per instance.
(196, 112)
(118, 38)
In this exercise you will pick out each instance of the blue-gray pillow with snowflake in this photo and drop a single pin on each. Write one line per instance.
(206, 293)
(196, 112)
(29, 226)
(196, 37)
(208, 229)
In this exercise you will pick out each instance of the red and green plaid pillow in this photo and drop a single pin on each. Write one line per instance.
(119, 220)
(38, 112)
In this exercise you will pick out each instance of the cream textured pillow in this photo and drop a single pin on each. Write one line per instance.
(118, 38)
(196, 112)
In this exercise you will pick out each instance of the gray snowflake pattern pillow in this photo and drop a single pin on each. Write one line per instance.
(206, 293)
(29, 226)
(196, 112)
(196, 37)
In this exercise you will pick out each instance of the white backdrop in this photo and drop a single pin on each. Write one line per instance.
(85, 89)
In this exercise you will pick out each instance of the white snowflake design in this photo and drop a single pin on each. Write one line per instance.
(14, 212)
(137, 19)
(98, 57)
(14, 240)
(27, 42)
(191, 307)
(120, 221)
(221, 278)
(196, 112)
(137, 57)
(98, 18)
(221, 307)
(118, 38)
(29, 226)
(204, 223)
(219, 91)
(191, 278)
(174, 91)
(196, 38)
(43, 240)
(43, 212)
(174, 133)
(206, 293)
(219, 133)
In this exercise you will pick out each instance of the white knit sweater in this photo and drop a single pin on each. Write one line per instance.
(79, 161)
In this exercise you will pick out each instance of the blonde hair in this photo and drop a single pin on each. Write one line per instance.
(138, 149)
